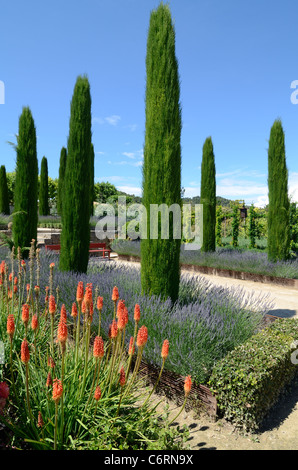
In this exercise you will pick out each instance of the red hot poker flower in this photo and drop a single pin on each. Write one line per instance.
(98, 347)
(62, 332)
(131, 348)
(80, 292)
(25, 313)
(165, 349)
(63, 313)
(57, 390)
(99, 303)
(34, 322)
(187, 385)
(25, 354)
(10, 325)
(115, 294)
(52, 305)
(142, 336)
(137, 313)
(97, 393)
(74, 310)
(122, 377)
(114, 329)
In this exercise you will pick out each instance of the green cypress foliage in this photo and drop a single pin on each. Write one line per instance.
(218, 229)
(160, 268)
(4, 198)
(235, 224)
(24, 227)
(62, 166)
(252, 229)
(279, 204)
(75, 236)
(44, 188)
(208, 196)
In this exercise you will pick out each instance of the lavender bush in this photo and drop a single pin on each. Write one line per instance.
(202, 326)
(224, 258)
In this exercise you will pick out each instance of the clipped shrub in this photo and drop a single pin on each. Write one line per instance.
(250, 379)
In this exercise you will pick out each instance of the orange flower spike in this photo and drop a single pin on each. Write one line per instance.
(165, 349)
(83, 306)
(122, 379)
(125, 314)
(10, 277)
(80, 292)
(142, 336)
(57, 390)
(52, 305)
(97, 393)
(25, 354)
(74, 310)
(187, 385)
(115, 294)
(2, 267)
(98, 347)
(34, 322)
(25, 313)
(62, 332)
(51, 362)
(131, 348)
(63, 313)
(121, 320)
(114, 329)
(49, 382)
(137, 313)
(88, 295)
(15, 280)
(10, 325)
(99, 303)
(40, 423)
(120, 308)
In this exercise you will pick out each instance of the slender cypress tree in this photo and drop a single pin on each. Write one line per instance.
(44, 188)
(4, 199)
(62, 166)
(75, 235)
(24, 227)
(92, 192)
(160, 268)
(279, 204)
(208, 196)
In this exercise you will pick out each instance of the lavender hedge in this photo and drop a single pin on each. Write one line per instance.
(224, 258)
(202, 326)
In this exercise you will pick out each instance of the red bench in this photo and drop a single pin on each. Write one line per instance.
(94, 249)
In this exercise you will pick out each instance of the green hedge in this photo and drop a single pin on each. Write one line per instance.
(249, 380)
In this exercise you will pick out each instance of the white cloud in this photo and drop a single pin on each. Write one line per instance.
(113, 120)
(135, 190)
(129, 154)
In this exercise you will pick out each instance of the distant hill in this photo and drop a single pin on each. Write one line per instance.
(220, 201)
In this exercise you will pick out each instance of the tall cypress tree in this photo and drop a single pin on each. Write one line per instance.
(75, 235)
(160, 268)
(279, 204)
(24, 227)
(44, 188)
(62, 166)
(208, 196)
(4, 199)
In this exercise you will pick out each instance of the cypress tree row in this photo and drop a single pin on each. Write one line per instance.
(208, 196)
(279, 204)
(75, 235)
(44, 188)
(4, 199)
(160, 268)
(62, 166)
(24, 227)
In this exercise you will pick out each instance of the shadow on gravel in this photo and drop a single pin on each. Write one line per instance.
(283, 313)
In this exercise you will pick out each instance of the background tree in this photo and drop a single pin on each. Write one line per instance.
(44, 188)
(218, 229)
(208, 196)
(294, 227)
(75, 235)
(279, 205)
(4, 198)
(252, 232)
(62, 166)
(235, 224)
(160, 269)
(24, 227)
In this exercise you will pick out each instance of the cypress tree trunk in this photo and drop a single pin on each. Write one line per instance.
(44, 188)
(208, 196)
(160, 269)
(4, 199)
(279, 204)
(62, 166)
(75, 235)
(24, 227)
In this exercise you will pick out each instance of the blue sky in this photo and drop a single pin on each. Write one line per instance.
(237, 61)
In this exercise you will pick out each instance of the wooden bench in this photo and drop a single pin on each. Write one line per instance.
(94, 249)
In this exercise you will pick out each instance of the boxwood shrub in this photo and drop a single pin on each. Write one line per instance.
(249, 380)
